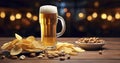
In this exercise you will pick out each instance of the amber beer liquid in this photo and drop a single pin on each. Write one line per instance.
(48, 23)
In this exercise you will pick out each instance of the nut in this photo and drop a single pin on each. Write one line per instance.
(68, 56)
(13, 57)
(62, 54)
(22, 57)
(100, 52)
(43, 55)
(90, 40)
(55, 55)
(50, 56)
(2, 57)
(32, 54)
(73, 53)
(40, 56)
(62, 58)
(62, 51)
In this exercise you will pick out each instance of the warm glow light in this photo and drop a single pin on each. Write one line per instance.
(94, 15)
(68, 14)
(117, 16)
(65, 9)
(81, 15)
(81, 28)
(17, 27)
(35, 18)
(96, 3)
(18, 16)
(109, 18)
(12, 18)
(2, 14)
(89, 18)
(28, 15)
(103, 16)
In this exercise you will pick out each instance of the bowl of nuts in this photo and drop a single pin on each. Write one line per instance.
(91, 43)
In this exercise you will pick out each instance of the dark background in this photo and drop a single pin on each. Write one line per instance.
(77, 15)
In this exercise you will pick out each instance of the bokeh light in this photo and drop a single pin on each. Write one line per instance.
(12, 18)
(96, 3)
(117, 15)
(35, 18)
(89, 18)
(2, 14)
(29, 15)
(65, 9)
(18, 16)
(17, 27)
(109, 18)
(94, 15)
(68, 14)
(104, 16)
(25, 22)
(81, 28)
(81, 15)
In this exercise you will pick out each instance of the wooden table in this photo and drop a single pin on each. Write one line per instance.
(111, 54)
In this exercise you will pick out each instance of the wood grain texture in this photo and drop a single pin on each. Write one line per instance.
(111, 53)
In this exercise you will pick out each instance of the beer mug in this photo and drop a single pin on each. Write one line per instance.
(48, 20)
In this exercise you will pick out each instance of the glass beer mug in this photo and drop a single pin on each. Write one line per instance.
(48, 20)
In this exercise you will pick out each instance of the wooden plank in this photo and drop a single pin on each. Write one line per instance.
(110, 54)
(57, 61)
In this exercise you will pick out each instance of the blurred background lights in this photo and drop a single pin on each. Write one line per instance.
(18, 16)
(68, 14)
(81, 28)
(94, 15)
(117, 16)
(35, 18)
(89, 18)
(65, 9)
(62, 4)
(2, 14)
(28, 15)
(104, 16)
(37, 4)
(17, 27)
(81, 15)
(109, 18)
(96, 3)
(12, 18)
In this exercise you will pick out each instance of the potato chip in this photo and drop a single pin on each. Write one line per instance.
(59, 45)
(27, 44)
(66, 49)
(18, 36)
(73, 53)
(14, 42)
(9, 45)
(36, 44)
(77, 49)
(68, 45)
(30, 38)
(33, 50)
(15, 50)
(6, 46)
(51, 52)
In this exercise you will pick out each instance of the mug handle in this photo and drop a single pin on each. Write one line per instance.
(63, 26)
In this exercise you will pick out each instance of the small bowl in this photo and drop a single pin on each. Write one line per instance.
(90, 46)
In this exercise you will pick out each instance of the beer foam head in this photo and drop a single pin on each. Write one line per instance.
(48, 9)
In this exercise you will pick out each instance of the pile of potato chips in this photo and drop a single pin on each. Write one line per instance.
(68, 48)
(19, 44)
(30, 44)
